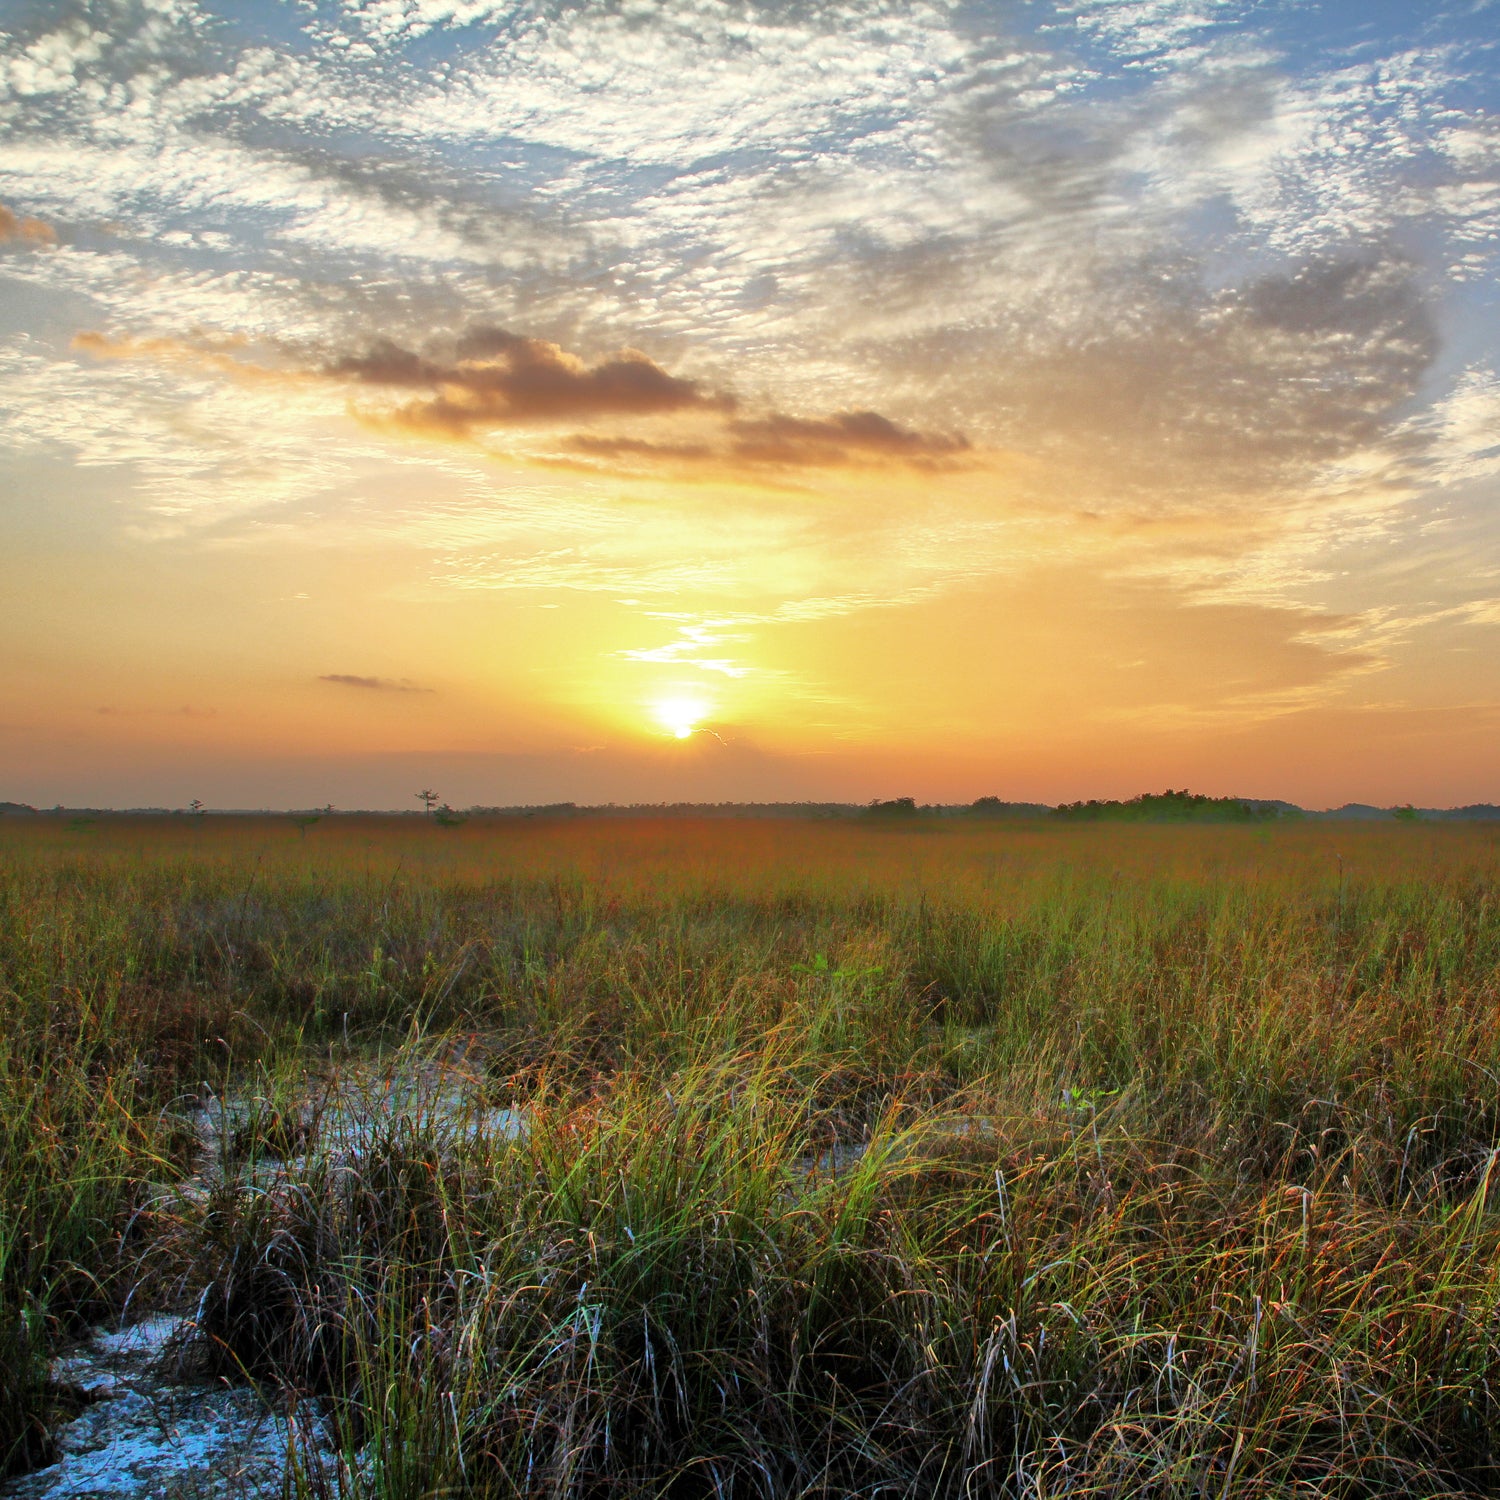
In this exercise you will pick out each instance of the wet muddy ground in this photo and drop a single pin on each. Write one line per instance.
(145, 1426)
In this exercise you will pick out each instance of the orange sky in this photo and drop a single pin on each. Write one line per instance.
(715, 404)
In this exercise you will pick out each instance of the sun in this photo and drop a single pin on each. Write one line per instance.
(679, 715)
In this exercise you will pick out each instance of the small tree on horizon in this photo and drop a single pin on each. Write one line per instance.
(429, 800)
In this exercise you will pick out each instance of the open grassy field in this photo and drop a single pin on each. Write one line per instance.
(795, 1158)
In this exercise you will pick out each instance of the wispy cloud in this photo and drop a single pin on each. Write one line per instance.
(373, 684)
(27, 230)
(186, 711)
(846, 437)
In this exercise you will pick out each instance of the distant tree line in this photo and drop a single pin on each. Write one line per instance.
(896, 807)
(1167, 807)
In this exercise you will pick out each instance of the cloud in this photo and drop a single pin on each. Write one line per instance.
(779, 441)
(205, 354)
(1157, 33)
(1201, 400)
(637, 448)
(496, 380)
(1463, 429)
(102, 346)
(501, 378)
(28, 231)
(187, 711)
(848, 437)
(373, 684)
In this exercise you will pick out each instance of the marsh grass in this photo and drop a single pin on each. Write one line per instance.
(77, 1146)
(1014, 1161)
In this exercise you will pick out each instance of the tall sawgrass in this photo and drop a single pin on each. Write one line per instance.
(678, 1287)
(78, 1144)
(856, 1161)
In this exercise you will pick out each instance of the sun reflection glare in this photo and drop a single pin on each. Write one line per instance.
(679, 714)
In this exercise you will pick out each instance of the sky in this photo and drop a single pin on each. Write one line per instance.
(715, 400)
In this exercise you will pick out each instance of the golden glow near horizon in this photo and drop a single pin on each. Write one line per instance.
(679, 714)
(786, 414)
